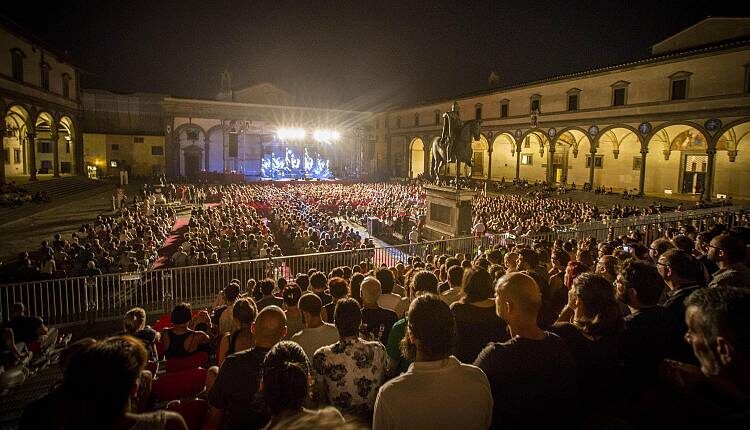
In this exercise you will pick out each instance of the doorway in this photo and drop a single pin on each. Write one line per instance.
(694, 173)
(192, 164)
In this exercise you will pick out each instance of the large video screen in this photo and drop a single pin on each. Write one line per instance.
(291, 163)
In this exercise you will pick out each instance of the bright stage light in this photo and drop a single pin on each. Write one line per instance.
(326, 135)
(290, 133)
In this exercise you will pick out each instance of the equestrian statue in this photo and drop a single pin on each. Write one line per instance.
(454, 144)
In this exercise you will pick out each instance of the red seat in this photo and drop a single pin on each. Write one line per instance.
(179, 385)
(193, 361)
(163, 322)
(192, 411)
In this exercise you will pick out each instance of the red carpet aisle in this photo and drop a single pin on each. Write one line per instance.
(173, 242)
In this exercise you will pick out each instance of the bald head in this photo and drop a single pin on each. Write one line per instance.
(269, 326)
(518, 293)
(370, 290)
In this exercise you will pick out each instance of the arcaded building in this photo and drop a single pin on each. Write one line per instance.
(677, 122)
(40, 102)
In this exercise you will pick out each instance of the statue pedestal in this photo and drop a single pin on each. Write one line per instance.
(449, 212)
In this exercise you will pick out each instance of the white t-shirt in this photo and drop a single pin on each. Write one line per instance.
(310, 339)
(467, 405)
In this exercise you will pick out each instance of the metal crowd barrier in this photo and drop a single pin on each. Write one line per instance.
(68, 301)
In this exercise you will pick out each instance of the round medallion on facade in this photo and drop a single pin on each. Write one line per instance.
(552, 132)
(517, 134)
(712, 124)
(593, 131)
(644, 128)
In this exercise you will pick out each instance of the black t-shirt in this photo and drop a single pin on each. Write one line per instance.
(377, 324)
(324, 297)
(650, 336)
(25, 329)
(675, 304)
(236, 390)
(597, 361)
(476, 327)
(533, 382)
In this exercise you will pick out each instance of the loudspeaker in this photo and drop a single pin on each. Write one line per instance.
(232, 150)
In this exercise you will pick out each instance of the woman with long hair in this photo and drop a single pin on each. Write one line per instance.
(241, 337)
(476, 320)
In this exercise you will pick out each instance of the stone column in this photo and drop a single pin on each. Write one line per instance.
(642, 179)
(551, 164)
(518, 160)
(31, 137)
(206, 151)
(53, 135)
(2, 152)
(709, 182)
(489, 162)
(591, 168)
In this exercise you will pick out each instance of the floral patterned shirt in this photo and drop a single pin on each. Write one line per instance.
(351, 370)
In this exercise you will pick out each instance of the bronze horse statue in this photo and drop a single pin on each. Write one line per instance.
(463, 152)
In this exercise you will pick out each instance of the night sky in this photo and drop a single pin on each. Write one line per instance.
(352, 54)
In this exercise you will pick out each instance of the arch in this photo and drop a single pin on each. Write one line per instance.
(18, 118)
(619, 147)
(568, 165)
(532, 157)
(214, 155)
(66, 141)
(670, 145)
(480, 157)
(732, 160)
(186, 146)
(503, 156)
(417, 157)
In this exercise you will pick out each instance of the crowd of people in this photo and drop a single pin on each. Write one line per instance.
(574, 334)
(124, 242)
(11, 195)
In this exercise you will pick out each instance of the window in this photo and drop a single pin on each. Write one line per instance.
(17, 57)
(618, 97)
(115, 147)
(416, 120)
(598, 161)
(679, 89)
(45, 147)
(620, 93)
(573, 97)
(504, 109)
(636, 163)
(478, 111)
(66, 85)
(572, 102)
(44, 79)
(16, 156)
(138, 139)
(157, 150)
(536, 103)
(678, 86)
(527, 159)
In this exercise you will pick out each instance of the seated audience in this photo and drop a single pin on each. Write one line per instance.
(316, 333)
(241, 337)
(376, 321)
(134, 324)
(181, 340)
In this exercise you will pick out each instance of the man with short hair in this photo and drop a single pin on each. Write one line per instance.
(233, 397)
(266, 288)
(318, 282)
(718, 320)
(680, 272)
(532, 375)
(659, 247)
(729, 252)
(455, 277)
(651, 332)
(429, 342)
(449, 262)
(376, 321)
(350, 372)
(316, 332)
